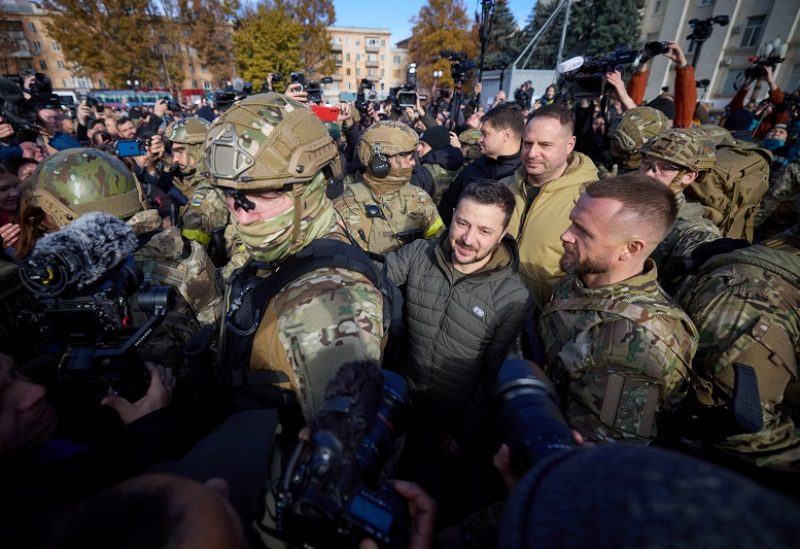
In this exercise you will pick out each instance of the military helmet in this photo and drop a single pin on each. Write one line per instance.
(684, 148)
(387, 137)
(190, 131)
(268, 141)
(76, 181)
(637, 126)
(470, 139)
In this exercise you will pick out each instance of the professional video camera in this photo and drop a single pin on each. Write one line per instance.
(172, 105)
(88, 291)
(459, 65)
(407, 95)
(15, 109)
(586, 76)
(701, 28)
(768, 56)
(331, 493)
(366, 94)
(529, 417)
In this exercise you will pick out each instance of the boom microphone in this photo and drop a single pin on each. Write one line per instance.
(570, 65)
(79, 254)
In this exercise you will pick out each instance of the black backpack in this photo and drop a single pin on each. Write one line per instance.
(250, 297)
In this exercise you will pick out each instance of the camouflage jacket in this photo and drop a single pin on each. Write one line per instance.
(690, 229)
(746, 306)
(404, 215)
(441, 179)
(619, 355)
(782, 197)
(206, 211)
(323, 319)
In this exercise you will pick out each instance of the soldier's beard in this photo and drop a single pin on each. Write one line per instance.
(571, 264)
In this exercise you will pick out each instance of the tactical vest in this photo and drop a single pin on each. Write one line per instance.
(249, 297)
(441, 180)
(390, 226)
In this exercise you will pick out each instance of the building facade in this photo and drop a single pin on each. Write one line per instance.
(364, 53)
(727, 52)
(26, 44)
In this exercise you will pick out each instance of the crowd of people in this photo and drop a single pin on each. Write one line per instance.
(640, 262)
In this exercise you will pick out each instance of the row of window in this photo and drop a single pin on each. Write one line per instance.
(369, 57)
(370, 72)
(369, 42)
(43, 65)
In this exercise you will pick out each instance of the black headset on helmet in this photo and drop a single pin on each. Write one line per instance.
(379, 164)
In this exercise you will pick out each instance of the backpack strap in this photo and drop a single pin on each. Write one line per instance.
(252, 294)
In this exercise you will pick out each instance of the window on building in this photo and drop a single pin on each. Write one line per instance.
(60, 65)
(396, 59)
(658, 7)
(55, 46)
(358, 43)
(43, 65)
(372, 57)
(203, 67)
(753, 31)
(31, 27)
(372, 72)
(728, 89)
(347, 57)
(191, 68)
(383, 58)
(349, 86)
(383, 43)
(373, 42)
(66, 82)
(194, 84)
(37, 47)
(383, 73)
(706, 2)
(358, 57)
(206, 84)
(347, 42)
(348, 72)
(102, 83)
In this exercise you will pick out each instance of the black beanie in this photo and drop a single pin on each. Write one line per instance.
(739, 120)
(667, 106)
(437, 137)
(622, 495)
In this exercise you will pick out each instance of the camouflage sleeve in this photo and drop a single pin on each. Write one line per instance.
(630, 378)
(783, 188)
(207, 211)
(432, 223)
(328, 317)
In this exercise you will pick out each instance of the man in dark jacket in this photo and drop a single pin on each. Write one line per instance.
(465, 305)
(501, 135)
(440, 158)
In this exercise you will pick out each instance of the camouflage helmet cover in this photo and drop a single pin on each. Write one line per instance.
(190, 131)
(76, 181)
(637, 126)
(267, 141)
(469, 137)
(391, 137)
(684, 148)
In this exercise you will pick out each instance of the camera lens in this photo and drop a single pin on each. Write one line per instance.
(158, 297)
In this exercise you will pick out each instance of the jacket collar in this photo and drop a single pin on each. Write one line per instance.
(504, 261)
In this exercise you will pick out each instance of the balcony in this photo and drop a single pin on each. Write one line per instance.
(336, 46)
(372, 48)
(371, 63)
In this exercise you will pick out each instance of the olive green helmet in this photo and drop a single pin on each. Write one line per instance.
(682, 147)
(268, 141)
(388, 138)
(76, 181)
(470, 139)
(189, 131)
(636, 127)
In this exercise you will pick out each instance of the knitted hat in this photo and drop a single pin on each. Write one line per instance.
(437, 137)
(667, 106)
(627, 496)
(739, 120)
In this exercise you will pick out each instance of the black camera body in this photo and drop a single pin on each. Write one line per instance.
(590, 79)
(174, 106)
(460, 66)
(758, 69)
(331, 493)
(366, 94)
(18, 111)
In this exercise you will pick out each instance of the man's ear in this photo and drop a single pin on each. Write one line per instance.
(688, 178)
(571, 143)
(631, 250)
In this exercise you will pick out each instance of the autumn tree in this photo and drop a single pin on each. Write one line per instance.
(440, 25)
(118, 38)
(208, 28)
(315, 16)
(268, 40)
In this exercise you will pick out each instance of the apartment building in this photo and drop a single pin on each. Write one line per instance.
(726, 54)
(364, 53)
(22, 27)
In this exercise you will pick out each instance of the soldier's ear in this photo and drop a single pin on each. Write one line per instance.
(632, 250)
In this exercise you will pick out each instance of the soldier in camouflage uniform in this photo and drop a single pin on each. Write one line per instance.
(676, 158)
(470, 146)
(206, 210)
(746, 306)
(636, 127)
(439, 157)
(77, 181)
(780, 205)
(272, 158)
(616, 347)
(383, 211)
